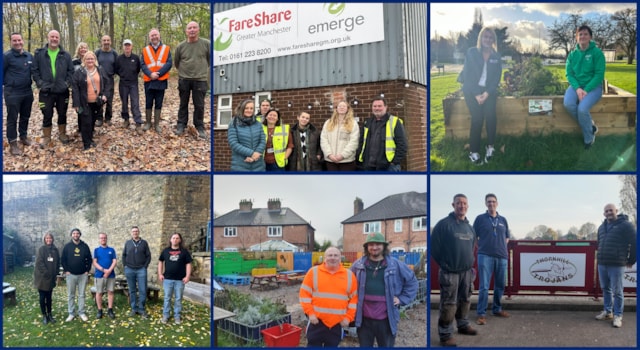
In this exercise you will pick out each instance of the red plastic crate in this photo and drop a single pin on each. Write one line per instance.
(284, 336)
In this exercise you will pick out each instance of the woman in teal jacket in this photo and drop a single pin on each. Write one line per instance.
(585, 72)
(246, 139)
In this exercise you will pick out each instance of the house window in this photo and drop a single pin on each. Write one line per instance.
(420, 224)
(397, 225)
(261, 96)
(397, 250)
(230, 231)
(274, 231)
(225, 110)
(371, 227)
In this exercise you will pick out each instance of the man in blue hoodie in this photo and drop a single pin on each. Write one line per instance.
(585, 72)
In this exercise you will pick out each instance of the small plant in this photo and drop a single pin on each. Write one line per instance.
(530, 78)
(252, 311)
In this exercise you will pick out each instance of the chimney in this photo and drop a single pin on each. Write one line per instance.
(273, 204)
(246, 205)
(358, 206)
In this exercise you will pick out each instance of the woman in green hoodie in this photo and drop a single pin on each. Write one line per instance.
(585, 72)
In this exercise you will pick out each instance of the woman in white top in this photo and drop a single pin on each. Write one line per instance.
(339, 139)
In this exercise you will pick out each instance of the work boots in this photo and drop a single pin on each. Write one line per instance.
(46, 137)
(139, 129)
(147, 124)
(62, 134)
(156, 120)
(25, 140)
(14, 148)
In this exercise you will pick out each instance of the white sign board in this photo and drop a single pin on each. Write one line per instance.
(540, 107)
(262, 30)
(630, 279)
(554, 270)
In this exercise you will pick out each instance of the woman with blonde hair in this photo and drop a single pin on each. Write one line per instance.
(45, 275)
(481, 77)
(339, 139)
(81, 49)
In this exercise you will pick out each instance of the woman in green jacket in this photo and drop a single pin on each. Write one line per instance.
(585, 72)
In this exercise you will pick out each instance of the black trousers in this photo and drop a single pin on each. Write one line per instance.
(319, 335)
(48, 101)
(481, 114)
(45, 301)
(378, 330)
(197, 89)
(18, 113)
(88, 117)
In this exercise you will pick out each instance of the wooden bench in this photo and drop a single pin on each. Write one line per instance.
(10, 295)
(440, 67)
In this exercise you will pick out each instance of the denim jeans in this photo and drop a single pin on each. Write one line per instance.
(172, 287)
(579, 110)
(79, 282)
(455, 300)
(611, 278)
(137, 283)
(488, 265)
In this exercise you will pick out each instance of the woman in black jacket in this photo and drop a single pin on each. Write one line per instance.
(481, 73)
(88, 83)
(45, 275)
(306, 155)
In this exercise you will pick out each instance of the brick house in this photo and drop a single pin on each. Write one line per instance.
(246, 226)
(401, 218)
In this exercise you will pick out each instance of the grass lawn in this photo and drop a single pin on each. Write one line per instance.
(22, 324)
(555, 152)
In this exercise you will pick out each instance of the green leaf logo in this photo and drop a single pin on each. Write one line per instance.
(335, 8)
(219, 44)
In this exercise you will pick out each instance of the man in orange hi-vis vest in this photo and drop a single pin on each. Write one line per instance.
(155, 65)
(329, 297)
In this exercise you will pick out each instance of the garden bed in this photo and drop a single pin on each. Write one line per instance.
(615, 113)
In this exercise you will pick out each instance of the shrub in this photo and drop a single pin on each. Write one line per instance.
(530, 78)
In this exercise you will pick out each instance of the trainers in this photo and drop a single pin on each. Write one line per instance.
(617, 321)
(177, 320)
(594, 127)
(111, 314)
(69, 318)
(474, 157)
(449, 343)
(467, 330)
(108, 122)
(132, 313)
(126, 123)
(99, 123)
(489, 153)
(144, 315)
(99, 315)
(164, 320)
(604, 315)
(179, 130)
(84, 318)
(481, 320)
(501, 313)
(201, 133)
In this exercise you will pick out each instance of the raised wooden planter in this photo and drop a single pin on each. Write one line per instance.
(615, 113)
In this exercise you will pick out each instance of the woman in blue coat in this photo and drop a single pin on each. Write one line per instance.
(246, 139)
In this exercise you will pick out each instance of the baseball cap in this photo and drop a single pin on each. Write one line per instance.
(127, 41)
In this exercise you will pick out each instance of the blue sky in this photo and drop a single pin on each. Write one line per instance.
(557, 201)
(526, 21)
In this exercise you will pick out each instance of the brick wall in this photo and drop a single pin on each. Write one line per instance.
(353, 236)
(409, 103)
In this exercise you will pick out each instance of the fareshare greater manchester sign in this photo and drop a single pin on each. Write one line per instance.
(262, 30)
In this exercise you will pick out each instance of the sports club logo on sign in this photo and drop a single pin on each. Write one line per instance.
(539, 269)
(262, 31)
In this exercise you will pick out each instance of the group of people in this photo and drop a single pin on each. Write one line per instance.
(90, 76)
(368, 296)
(453, 240)
(480, 76)
(262, 142)
(76, 260)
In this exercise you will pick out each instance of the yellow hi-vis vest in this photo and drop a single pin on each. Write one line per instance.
(280, 139)
(389, 143)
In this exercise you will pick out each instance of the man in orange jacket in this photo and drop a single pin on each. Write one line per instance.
(329, 297)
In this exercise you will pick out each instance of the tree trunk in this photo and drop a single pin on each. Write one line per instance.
(72, 28)
(159, 16)
(53, 13)
(111, 24)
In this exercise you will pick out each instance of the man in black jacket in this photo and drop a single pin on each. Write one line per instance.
(616, 249)
(383, 143)
(136, 257)
(18, 96)
(54, 85)
(128, 69)
(452, 242)
(76, 261)
(107, 60)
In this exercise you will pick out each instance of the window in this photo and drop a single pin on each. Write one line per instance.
(420, 224)
(225, 110)
(397, 225)
(274, 231)
(371, 227)
(230, 232)
(261, 96)
(397, 250)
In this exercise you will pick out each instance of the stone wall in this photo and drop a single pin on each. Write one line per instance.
(159, 205)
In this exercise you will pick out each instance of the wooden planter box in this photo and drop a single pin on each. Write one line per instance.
(615, 113)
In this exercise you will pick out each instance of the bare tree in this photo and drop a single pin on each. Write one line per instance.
(563, 33)
(603, 32)
(159, 16)
(626, 28)
(72, 31)
(111, 21)
(53, 13)
(628, 197)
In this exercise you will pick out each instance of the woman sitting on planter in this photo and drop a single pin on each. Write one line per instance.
(585, 72)
(481, 77)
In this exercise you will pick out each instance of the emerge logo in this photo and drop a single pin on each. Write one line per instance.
(219, 44)
(334, 8)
